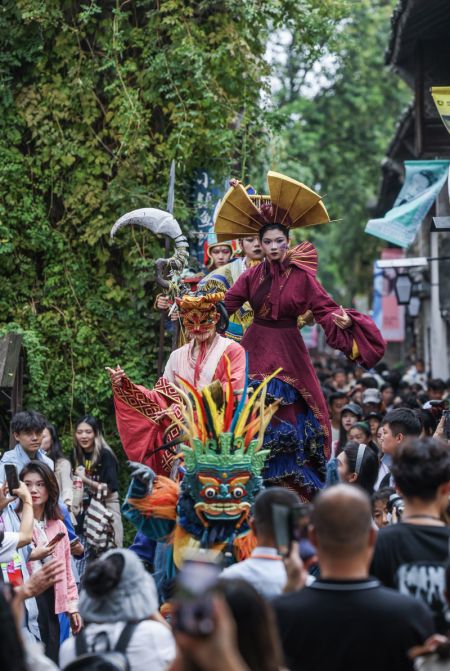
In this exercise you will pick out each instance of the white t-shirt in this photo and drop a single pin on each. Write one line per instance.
(8, 546)
(151, 647)
(264, 569)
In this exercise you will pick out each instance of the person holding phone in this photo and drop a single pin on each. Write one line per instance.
(264, 569)
(27, 427)
(50, 539)
(10, 541)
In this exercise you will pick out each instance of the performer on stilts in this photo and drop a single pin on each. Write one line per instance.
(222, 279)
(280, 289)
(223, 455)
(143, 418)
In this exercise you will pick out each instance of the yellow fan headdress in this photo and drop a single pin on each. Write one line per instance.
(290, 203)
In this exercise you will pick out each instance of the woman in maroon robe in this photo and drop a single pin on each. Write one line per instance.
(280, 289)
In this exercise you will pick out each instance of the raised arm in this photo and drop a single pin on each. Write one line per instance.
(137, 416)
(349, 331)
(150, 503)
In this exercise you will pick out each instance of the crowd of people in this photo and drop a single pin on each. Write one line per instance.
(389, 588)
(290, 512)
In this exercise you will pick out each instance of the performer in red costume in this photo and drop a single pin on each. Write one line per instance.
(143, 423)
(280, 289)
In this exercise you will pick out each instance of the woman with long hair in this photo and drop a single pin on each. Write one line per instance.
(50, 538)
(245, 635)
(63, 470)
(12, 652)
(257, 636)
(95, 463)
(358, 465)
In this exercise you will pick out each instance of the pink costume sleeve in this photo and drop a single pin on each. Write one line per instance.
(236, 355)
(362, 342)
(72, 592)
(137, 410)
(238, 294)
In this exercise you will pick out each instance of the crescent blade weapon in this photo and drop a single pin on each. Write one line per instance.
(161, 222)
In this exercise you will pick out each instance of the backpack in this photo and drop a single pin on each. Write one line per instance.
(104, 659)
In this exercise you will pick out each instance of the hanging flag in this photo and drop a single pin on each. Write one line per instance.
(205, 193)
(423, 182)
(441, 97)
(387, 314)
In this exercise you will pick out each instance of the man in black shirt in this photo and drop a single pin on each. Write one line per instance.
(346, 621)
(411, 556)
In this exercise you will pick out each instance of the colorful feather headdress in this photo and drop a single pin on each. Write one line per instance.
(293, 205)
(219, 435)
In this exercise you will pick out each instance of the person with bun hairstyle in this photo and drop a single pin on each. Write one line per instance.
(118, 590)
(50, 539)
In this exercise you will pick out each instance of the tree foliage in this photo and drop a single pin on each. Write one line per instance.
(336, 138)
(96, 98)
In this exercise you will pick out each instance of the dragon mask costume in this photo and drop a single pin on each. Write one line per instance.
(223, 460)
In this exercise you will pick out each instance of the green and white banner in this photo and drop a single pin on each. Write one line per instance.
(423, 181)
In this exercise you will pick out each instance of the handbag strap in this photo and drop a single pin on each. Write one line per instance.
(124, 638)
(81, 647)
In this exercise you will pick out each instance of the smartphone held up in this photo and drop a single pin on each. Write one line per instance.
(194, 595)
(290, 524)
(12, 478)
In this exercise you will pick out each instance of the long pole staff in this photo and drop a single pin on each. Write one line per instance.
(162, 318)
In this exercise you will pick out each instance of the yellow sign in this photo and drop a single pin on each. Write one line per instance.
(441, 97)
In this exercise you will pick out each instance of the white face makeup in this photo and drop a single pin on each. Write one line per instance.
(251, 247)
(274, 244)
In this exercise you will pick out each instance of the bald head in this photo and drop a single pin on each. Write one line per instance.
(342, 520)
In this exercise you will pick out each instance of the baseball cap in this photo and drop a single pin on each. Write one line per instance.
(354, 408)
(371, 396)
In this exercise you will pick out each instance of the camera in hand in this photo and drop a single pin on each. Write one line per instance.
(289, 524)
(442, 408)
(395, 504)
(194, 587)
